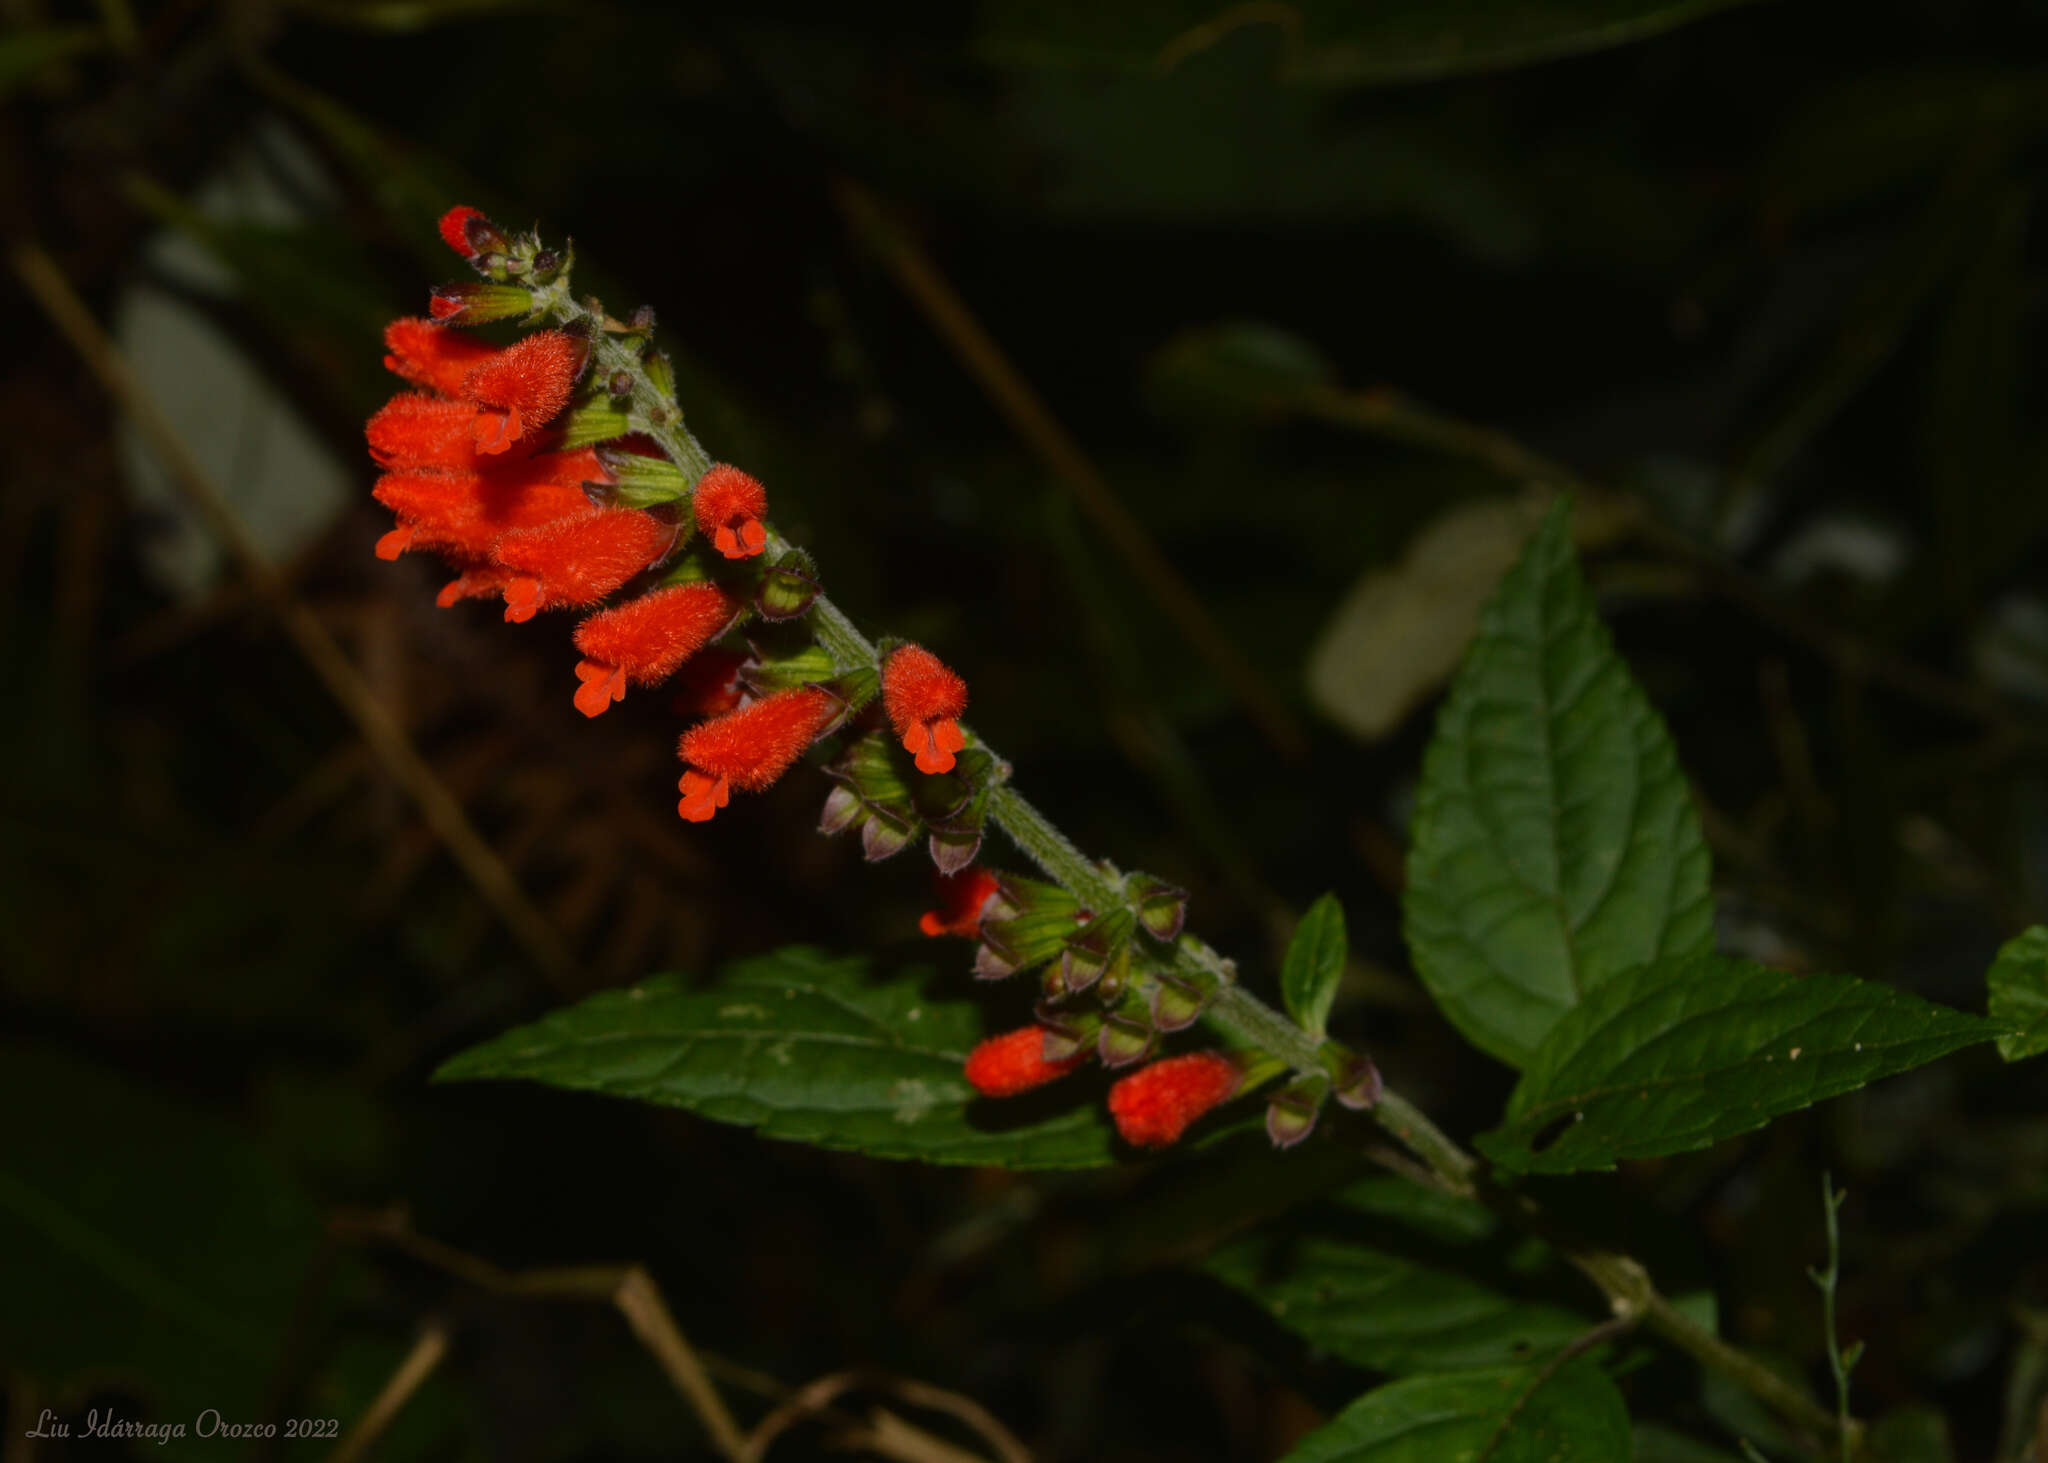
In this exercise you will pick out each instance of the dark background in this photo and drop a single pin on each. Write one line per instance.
(1769, 275)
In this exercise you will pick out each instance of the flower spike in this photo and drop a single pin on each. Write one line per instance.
(730, 505)
(1155, 1104)
(1003, 1066)
(750, 748)
(924, 700)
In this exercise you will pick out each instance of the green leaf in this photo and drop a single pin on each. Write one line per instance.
(1509, 1415)
(1326, 43)
(1386, 1311)
(1556, 845)
(1672, 1056)
(2019, 994)
(1314, 964)
(140, 1242)
(802, 1046)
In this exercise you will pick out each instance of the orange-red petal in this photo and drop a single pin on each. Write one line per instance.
(703, 795)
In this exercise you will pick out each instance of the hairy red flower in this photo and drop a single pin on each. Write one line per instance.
(962, 897)
(455, 230)
(522, 387)
(645, 640)
(924, 700)
(577, 561)
(730, 505)
(467, 511)
(414, 429)
(749, 748)
(1014, 1062)
(432, 355)
(1154, 1105)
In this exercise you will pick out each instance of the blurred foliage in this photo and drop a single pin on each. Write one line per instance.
(1303, 280)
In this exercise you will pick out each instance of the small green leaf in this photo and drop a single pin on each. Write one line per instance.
(1556, 844)
(805, 1047)
(1314, 964)
(1508, 1415)
(1672, 1056)
(2019, 994)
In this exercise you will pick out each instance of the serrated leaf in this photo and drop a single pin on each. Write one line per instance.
(1315, 964)
(1386, 1311)
(802, 1046)
(1508, 1415)
(1555, 845)
(1676, 1055)
(2019, 994)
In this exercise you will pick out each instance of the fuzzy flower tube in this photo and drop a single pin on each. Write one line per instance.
(554, 472)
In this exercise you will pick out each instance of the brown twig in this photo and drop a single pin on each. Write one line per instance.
(883, 1431)
(419, 1364)
(374, 722)
(629, 1288)
(1032, 420)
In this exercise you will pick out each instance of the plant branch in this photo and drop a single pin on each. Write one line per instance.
(1232, 1010)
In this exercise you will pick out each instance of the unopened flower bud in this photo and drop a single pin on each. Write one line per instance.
(1357, 1082)
(1162, 909)
(788, 587)
(1154, 1105)
(1015, 1062)
(1176, 1003)
(478, 304)
(1291, 1112)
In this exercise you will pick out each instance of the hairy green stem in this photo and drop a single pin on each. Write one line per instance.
(1232, 1010)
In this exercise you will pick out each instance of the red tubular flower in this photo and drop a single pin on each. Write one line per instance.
(1014, 1062)
(578, 560)
(1154, 1105)
(962, 897)
(432, 355)
(467, 514)
(522, 387)
(749, 748)
(923, 699)
(730, 505)
(645, 640)
(414, 429)
(455, 230)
